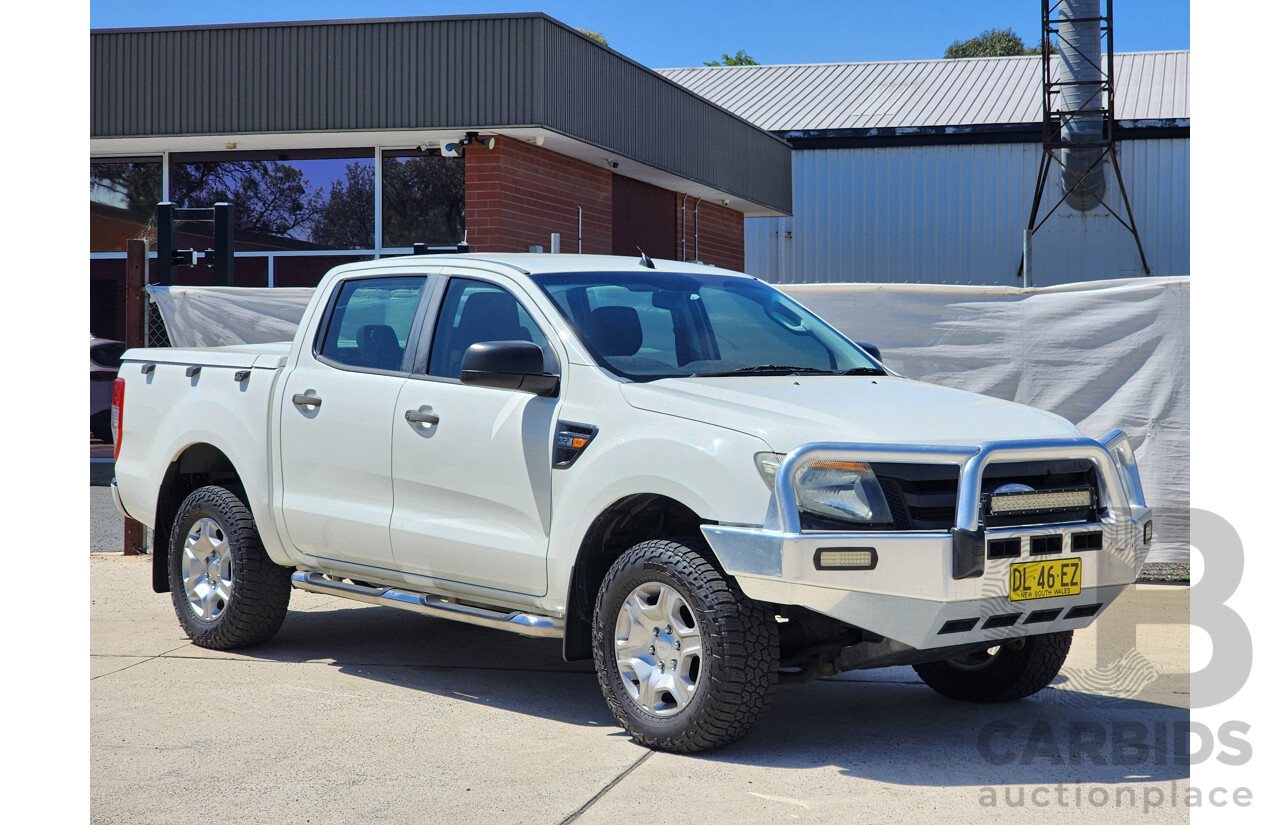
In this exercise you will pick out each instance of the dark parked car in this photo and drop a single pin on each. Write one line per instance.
(104, 363)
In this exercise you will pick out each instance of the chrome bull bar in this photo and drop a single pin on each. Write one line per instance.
(1120, 486)
(908, 594)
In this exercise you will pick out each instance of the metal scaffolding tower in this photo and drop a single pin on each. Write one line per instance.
(1079, 116)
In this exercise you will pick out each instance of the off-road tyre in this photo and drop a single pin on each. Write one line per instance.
(738, 669)
(1015, 671)
(258, 596)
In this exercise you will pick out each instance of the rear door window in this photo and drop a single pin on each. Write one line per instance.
(370, 322)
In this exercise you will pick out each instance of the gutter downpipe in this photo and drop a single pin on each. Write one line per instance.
(684, 244)
(697, 258)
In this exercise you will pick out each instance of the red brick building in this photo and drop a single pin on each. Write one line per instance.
(350, 140)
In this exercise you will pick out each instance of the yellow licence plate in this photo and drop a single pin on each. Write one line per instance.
(1044, 579)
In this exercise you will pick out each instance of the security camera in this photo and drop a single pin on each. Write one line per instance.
(422, 147)
(613, 164)
(451, 150)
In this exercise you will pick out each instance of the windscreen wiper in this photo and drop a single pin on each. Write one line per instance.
(863, 371)
(766, 369)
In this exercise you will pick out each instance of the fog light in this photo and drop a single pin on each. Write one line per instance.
(845, 558)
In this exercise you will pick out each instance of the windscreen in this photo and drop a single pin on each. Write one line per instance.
(654, 325)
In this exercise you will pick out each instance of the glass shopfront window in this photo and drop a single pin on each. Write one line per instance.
(299, 213)
(284, 201)
(123, 194)
(423, 198)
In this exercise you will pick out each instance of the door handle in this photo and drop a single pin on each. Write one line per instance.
(306, 400)
(416, 417)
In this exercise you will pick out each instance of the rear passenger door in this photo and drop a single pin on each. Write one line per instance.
(337, 412)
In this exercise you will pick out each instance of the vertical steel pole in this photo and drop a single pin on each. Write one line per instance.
(166, 243)
(224, 238)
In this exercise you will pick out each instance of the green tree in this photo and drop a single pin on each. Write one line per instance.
(346, 219)
(993, 43)
(739, 59)
(595, 35)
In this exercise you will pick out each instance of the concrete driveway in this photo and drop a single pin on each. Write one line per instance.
(366, 714)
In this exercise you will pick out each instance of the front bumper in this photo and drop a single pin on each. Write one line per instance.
(938, 588)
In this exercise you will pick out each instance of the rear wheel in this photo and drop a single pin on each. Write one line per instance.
(226, 591)
(1013, 670)
(685, 660)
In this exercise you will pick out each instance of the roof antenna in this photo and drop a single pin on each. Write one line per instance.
(645, 260)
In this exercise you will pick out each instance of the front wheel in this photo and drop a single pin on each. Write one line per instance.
(1013, 670)
(226, 591)
(685, 660)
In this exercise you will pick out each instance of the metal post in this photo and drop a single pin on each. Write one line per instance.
(555, 243)
(166, 242)
(1026, 257)
(224, 260)
(135, 335)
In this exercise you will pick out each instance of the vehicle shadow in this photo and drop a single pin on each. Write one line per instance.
(885, 725)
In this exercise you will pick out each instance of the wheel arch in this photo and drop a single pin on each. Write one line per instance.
(623, 524)
(195, 466)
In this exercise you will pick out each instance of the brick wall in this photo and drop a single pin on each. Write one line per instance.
(518, 194)
(721, 239)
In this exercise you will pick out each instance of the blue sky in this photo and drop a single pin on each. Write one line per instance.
(663, 34)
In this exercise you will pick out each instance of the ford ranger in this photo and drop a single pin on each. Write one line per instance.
(676, 469)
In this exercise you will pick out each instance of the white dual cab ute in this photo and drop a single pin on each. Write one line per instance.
(675, 468)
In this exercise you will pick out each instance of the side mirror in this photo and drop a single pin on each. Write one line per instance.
(872, 350)
(508, 365)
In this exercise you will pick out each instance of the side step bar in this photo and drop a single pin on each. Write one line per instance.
(523, 623)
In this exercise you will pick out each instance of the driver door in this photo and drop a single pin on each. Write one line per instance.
(472, 475)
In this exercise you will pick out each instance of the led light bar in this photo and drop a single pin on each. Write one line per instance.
(1034, 502)
(845, 558)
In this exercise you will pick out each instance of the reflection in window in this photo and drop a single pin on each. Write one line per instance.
(422, 199)
(371, 320)
(288, 202)
(122, 198)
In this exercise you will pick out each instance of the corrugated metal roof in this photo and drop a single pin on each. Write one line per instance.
(477, 72)
(967, 92)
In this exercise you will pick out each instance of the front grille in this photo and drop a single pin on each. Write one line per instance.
(923, 496)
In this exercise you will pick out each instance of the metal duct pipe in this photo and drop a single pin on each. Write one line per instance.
(1080, 59)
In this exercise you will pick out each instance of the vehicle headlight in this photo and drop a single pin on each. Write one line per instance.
(841, 490)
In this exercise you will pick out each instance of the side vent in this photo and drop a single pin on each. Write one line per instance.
(571, 440)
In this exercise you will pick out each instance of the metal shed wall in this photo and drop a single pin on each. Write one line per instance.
(954, 214)
(474, 72)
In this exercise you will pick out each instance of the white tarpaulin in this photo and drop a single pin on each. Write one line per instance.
(218, 316)
(1104, 354)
